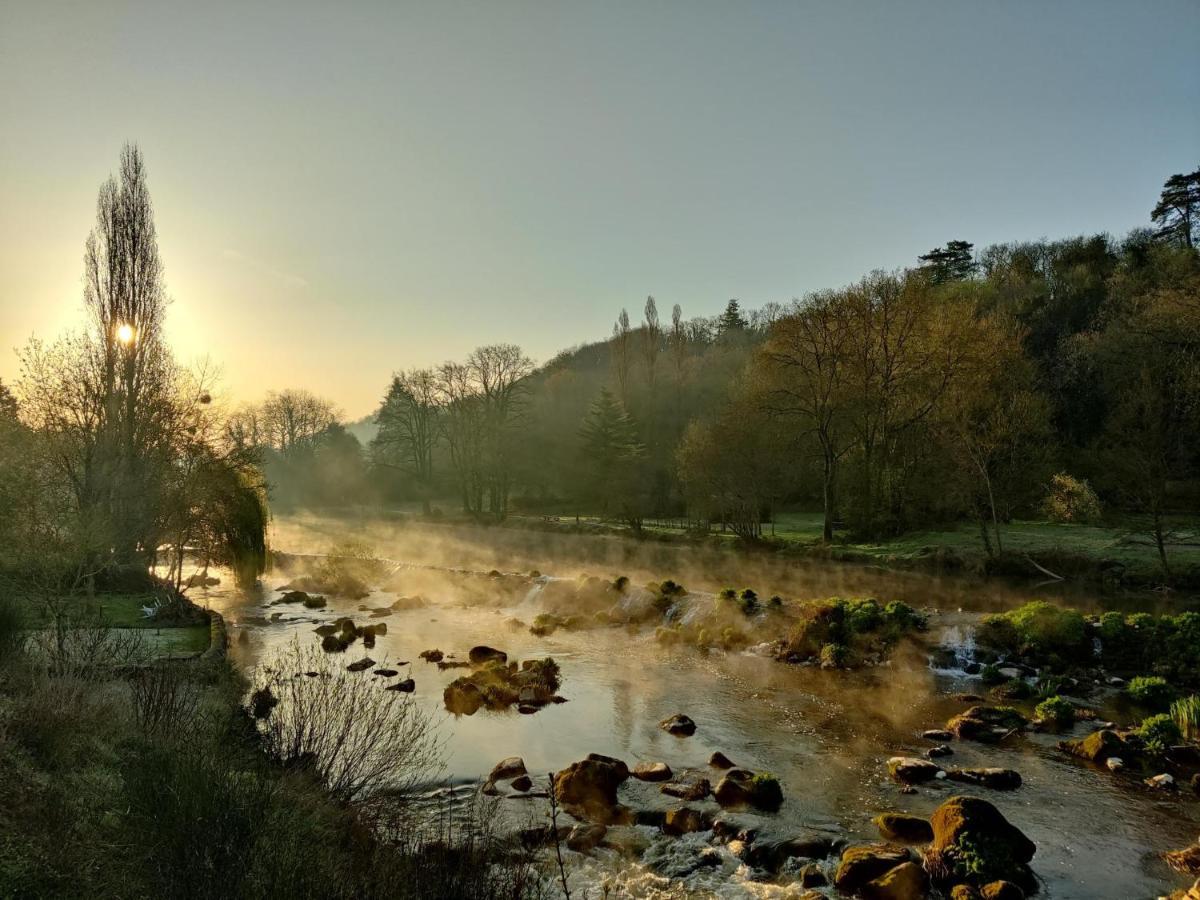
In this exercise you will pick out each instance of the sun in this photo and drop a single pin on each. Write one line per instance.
(125, 334)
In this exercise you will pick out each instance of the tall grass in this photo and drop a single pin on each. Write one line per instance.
(1186, 713)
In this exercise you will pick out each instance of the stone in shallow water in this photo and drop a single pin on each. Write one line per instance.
(720, 761)
(678, 725)
(912, 770)
(652, 771)
(361, 665)
(901, 827)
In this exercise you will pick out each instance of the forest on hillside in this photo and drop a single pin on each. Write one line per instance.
(1040, 379)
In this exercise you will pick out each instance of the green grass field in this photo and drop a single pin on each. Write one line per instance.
(125, 611)
(1121, 543)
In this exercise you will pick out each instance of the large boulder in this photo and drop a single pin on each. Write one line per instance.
(912, 770)
(508, 768)
(585, 838)
(986, 724)
(741, 787)
(462, 697)
(974, 843)
(863, 863)
(1099, 746)
(990, 777)
(484, 654)
(588, 789)
(906, 881)
(901, 827)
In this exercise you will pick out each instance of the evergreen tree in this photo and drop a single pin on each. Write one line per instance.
(732, 321)
(954, 262)
(1177, 214)
(611, 443)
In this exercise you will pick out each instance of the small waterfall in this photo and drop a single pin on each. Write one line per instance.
(955, 654)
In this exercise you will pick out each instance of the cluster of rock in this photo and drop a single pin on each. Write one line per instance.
(495, 683)
(338, 635)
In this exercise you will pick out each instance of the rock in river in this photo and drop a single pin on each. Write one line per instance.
(1099, 746)
(901, 827)
(678, 725)
(652, 771)
(906, 881)
(987, 724)
(911, 770)
(720, 761)
(973, 842)
(742, 787)
(989, 777)
(404, 686)
(361, 665)
(683, 820)
(588, 789)
(483, 654)
(863, 863)
(507, 768)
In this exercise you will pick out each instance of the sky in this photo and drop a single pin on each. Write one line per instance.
(344, 190)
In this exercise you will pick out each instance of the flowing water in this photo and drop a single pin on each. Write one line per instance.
(825, 735)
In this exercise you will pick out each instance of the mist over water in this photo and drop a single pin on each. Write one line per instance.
(825, 735)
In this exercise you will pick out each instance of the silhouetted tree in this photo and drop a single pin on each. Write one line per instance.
(732, 322)
(409, 422)
(954, 262)
(1178, 210)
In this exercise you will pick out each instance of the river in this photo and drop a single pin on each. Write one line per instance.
(825, 735)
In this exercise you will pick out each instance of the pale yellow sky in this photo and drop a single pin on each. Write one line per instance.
(344, 191)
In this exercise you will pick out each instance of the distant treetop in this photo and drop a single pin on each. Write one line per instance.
(954, 262)
(1177, 214)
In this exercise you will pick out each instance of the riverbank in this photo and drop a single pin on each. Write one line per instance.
(134, 773)
(1113, 556)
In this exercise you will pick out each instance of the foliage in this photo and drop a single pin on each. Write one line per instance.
(1159, 733)
(1150, 691)
(1057, 710)
(1039, 630)
(1070, 500)
(1166, 645)
(1186, 713)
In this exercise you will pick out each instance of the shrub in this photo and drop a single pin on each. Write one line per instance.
(1070, 500)
(1150, 691)
(357, 738)
(1159, 733)
(748, 600)
(1057, 710)
(862, 616)
(164, 698)
(1038, 629)
(1186, 713)
(834, 656)
(902, 616)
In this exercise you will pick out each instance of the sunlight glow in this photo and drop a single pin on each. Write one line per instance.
(125, 334)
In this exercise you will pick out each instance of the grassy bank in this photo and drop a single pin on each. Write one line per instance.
(1116, 553)
(127, 777)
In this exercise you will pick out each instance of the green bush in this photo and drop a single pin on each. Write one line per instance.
(863, 616)
(1159, 733)
(1071, 500)
(1039, 630)
(834, 656)
(1057, 710)
(1150, 691)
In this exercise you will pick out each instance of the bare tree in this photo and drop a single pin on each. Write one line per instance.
(651, 340)
(678, 342)
(807, 356)
(499, 372)
(294, 420)
(621, 351)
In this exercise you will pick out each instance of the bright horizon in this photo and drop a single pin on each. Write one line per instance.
(341, 195)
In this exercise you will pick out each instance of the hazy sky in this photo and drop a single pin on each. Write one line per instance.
(346, 189)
